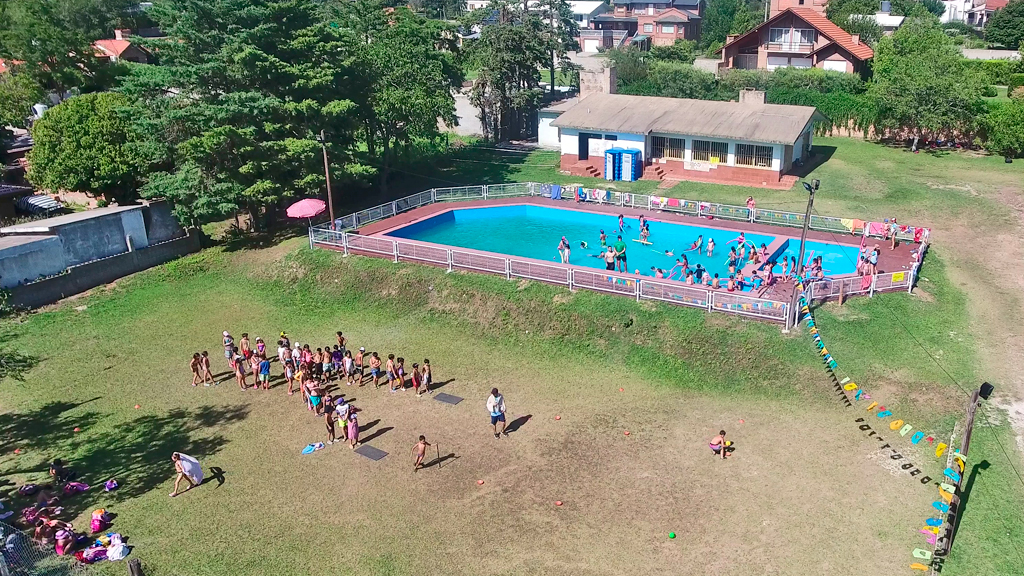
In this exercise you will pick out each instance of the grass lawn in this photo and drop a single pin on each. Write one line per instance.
(805, 493)
(1000, 95)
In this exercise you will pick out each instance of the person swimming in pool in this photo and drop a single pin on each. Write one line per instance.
(622, 223)
(711, 247)
(680, 265)
(697, 244)
(658, 272)
(742, 239)
(604, 239)
(644, 234)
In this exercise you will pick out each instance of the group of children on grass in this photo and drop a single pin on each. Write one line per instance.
(313, 371)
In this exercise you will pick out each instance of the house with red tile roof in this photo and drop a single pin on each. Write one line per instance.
(800, 38)
(120, 48)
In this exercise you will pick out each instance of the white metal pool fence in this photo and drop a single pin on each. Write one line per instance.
(575, 277)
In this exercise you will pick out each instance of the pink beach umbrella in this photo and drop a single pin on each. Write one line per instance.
(306, 208)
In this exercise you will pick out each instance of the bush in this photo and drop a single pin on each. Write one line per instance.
(1006, 129)
(996, 72)
(989, 92)
(1013, 82)
(678, 80)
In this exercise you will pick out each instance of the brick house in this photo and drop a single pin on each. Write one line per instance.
(747, 142)
(797, 37)
(645, 24)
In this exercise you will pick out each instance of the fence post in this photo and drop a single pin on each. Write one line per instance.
(344, 242)
(572, 278)
(638, 283)
(484, 187)
(508, 269)
(395, 246)
(394, 208)
(711, 300)
(449, 260)
(650, 202)
(751, 215)
(533, 188)
(871, 291)
(310, 237)
(433, 195)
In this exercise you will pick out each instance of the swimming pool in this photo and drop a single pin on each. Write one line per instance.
(530, 231)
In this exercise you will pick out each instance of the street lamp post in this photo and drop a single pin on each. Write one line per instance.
(322, 138)
(811, 188)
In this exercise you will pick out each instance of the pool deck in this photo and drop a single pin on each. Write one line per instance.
(888, 261)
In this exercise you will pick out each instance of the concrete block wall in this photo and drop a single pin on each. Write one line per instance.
(28, 258)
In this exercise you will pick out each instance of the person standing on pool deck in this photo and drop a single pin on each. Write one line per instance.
(496, 407)
(620, 254)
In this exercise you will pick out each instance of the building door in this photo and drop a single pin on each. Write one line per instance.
(591, 44)
(835, 65)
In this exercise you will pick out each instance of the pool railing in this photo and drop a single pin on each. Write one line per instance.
(340, 237)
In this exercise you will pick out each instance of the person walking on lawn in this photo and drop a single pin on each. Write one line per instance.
(496, 406)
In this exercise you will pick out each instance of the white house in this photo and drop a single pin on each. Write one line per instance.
(583, 12)
(736, 142)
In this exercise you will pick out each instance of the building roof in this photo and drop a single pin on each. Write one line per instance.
(7, 190)
(769, 123)
(586, 6)
(112, 47)
(45, 226)
(13, 241)
(672, 2)
(883, 19)
(560, 106)
(609, 17)
(675, 15)
(995, 4)
(823, 25)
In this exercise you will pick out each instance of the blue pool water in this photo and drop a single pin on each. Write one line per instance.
(534, 232)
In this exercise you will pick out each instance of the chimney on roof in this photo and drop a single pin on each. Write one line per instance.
(122, 34)
(730, 37)
(598, 81)
(885, 7)
(855, 38)
(751, 96)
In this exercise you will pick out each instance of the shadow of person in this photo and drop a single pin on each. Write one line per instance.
(438, 461)
(376, 434)
(516, 424)
(435, 385)
(216, 473)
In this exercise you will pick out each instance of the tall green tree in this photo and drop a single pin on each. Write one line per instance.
(408, 70)
(53, 38)
(1007, 25)
(921, 86)
(724, 17)
(243, 90)
(18, 93)
(1006, 129)
(560, 33)
(88, 144)
(507, 90)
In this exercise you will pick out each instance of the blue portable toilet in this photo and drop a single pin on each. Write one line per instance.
(613, 164)
(632, 164)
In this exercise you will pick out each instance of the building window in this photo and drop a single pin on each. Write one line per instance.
(801, 2)
(649, 28)
(710, 151)
(577, 17)
(779, 35)
(664, 147)
(754, 155)
(668, 29)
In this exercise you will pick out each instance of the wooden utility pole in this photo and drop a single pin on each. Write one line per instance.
(945, 542)
(327, 175)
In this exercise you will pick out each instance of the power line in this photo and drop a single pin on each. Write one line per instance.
(939, 365)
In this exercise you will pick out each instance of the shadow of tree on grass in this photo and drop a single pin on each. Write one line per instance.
(137, 453)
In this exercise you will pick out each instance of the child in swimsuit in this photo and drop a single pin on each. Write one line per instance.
(427, 379)
(194, 365)
(716, 283)
(718, 445)
(604, 239)
(417, 379)
(359, 364)
(204, 365)
(711, 247)
(400, 374)
(375, 369)
(390, 369)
